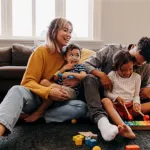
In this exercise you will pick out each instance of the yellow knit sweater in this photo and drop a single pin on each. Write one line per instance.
(41, 65)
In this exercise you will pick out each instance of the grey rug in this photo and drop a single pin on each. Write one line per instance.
(58, 136)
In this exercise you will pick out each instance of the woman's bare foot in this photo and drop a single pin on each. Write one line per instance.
(35, 116)
(126, 131)
(2, 129)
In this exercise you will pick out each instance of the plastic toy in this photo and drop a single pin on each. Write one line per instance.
(96, 148)
(89, 134)
(69, 77)
(138, 125)
(129, 115)
(73, 121)
(132, 147)
(145, 117)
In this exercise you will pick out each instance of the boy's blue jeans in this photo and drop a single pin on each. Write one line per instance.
(20, 99)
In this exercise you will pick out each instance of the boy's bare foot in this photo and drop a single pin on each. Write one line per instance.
(2, 129)
(126, 131)
(35, 116)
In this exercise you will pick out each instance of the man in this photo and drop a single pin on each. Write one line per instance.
(99, 65)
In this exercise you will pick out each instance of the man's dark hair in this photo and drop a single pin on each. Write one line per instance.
(70, 47)
(120, 58)
(144, 48)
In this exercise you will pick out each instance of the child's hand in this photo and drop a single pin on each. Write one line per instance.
(68, 66)
(137, 107)
(120, 100)
(66, 74)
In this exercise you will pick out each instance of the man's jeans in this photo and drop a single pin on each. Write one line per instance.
(93, 90)
(20, 99)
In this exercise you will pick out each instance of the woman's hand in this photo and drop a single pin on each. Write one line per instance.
(137, 107)
(71, 82)
(106, 82)
(59, 94)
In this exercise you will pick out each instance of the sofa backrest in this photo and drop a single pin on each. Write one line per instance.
(20, 54)
(5, 56)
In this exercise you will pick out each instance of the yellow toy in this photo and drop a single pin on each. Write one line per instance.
(96, 148)
(73, 121)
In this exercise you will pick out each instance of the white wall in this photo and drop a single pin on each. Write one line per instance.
(125, 21)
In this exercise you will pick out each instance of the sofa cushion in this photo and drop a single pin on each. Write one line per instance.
(5, 56)
(12, 72)
(85, 54)
(20, 54)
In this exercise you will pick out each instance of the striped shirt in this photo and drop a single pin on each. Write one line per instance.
(77, 69)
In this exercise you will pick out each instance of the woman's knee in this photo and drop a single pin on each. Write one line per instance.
(80, 108)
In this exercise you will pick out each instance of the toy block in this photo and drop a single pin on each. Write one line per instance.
(89, 134)
(78, 137)
(132, 147)
(92, 143)
(78, 141)
(87, 139)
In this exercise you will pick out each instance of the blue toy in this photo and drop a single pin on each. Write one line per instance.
(69, 77)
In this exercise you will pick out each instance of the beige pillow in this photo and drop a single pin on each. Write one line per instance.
(85, 54)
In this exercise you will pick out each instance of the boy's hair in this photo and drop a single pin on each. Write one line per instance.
(70, 47)
(144, 48)
(120, 58)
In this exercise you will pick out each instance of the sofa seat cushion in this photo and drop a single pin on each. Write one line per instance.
(12, 72)
(5, 56)
(20, 54)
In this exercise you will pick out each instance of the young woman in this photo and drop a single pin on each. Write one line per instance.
(126, 90)
(44, 62)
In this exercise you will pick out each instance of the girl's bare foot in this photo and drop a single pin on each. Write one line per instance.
(2, 129)
(126, 131)
(35, 116)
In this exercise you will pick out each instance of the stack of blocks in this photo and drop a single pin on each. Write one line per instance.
(89, 137)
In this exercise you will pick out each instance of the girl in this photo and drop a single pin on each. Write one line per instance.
(126, 88)
(42, 64)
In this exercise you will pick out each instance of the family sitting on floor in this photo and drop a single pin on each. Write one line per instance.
(113, 78)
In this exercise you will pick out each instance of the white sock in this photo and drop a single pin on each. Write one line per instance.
(108, 131)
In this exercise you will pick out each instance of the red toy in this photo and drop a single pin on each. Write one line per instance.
(132, 147)
(129, 115)
(145, 117)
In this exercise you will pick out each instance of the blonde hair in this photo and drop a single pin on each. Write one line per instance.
(56, 25)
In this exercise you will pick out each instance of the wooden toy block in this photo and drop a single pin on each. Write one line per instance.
(132, 147)
(92, 143)
(78, 141)
(87, 139)
(78, 137)
(89, 134)
(138, 125)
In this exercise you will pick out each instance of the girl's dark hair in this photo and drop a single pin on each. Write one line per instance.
(120, 58)
(70, 47)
